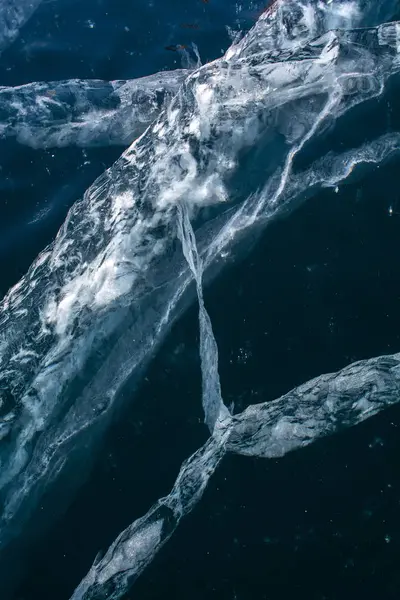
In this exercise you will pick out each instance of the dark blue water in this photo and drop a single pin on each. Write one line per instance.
(111, 39)
(319, 290)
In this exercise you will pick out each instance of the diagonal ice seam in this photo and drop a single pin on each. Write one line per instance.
(96, 303)
(320, 407)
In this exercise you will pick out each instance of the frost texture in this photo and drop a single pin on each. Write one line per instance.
(96, 303)
(85, 112)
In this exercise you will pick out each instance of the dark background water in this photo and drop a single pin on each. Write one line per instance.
(318, 291)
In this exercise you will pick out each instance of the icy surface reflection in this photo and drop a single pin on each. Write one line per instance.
(219, 161)
(85, 113)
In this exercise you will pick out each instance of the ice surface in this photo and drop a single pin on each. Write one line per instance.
(320, 407)
(86, 289)
(96, 303)
(288, 24)
(85, 112)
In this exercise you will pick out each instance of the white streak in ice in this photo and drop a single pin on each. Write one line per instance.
(13, 15)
